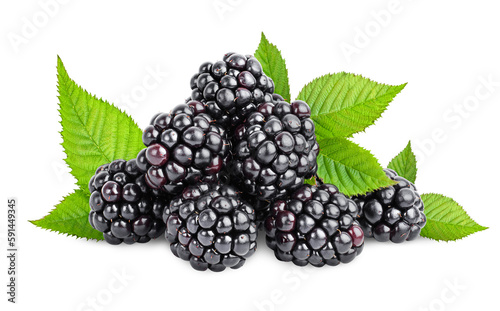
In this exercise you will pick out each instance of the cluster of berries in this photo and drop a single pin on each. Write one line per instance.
(235, 158)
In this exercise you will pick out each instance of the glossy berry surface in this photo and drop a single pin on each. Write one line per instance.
(274, 151)
(211, 227)
(184, 147)
(392, 214)
(317, 225)
(123, 207)
(232, 87)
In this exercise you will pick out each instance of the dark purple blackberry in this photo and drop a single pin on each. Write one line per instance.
(184, 147)
(122, 207)
(232, 88)
(317, 225)
(274, 150)
(210, 226)
(392, 214)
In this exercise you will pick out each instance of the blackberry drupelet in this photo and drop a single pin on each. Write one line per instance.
(184, 147)
(209, 225)
(395, 213)
(122, 207)
(232, 87)
(316, 225)
(274, 150)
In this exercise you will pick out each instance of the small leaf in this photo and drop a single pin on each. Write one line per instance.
(71, 217)
(310, 181)
(274, 66)
(343, 104)
(446, 219)
(405, 164)
(94, 132)
(351, 168)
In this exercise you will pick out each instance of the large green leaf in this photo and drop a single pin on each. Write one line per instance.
(71, 217)
(351, 168)
(405, 164)
(274, 66)
(446, 219)
(343, 104)
(94, 132)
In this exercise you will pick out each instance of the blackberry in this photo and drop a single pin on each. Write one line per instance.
(211, 227)
(122, 207)
(395, 213)
(232, 87)
(184, 147)
(316, 225)
(274, 150)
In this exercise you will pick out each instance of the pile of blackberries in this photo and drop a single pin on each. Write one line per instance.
(232, 159)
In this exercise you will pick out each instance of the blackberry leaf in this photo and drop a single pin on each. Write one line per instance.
(71, 217)
(446, 219)
(353, 169)
(94, 132)
(311, 181)
(405, 164)
(343, 104)
(274, 66)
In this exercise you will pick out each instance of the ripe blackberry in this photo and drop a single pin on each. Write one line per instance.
(395, 213)
(317, 225)
(211, 227)
(184, 147)
(232, 87)
(274, 150)
(122, 207)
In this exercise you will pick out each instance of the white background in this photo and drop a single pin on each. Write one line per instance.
(443, 49)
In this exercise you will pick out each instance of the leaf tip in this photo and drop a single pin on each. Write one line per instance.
(60, 64)
(263, 37)
(482, 228)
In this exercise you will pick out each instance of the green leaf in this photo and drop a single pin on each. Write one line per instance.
(310, 181)
(446, 219)
(94, 132)
(343, 104)
(405, 164)
(274, 66)
(351, 168)
(71, 217)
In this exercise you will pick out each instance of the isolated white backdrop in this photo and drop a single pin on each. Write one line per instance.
(443, 49)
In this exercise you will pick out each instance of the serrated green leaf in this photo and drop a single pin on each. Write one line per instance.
(274, 66)
(405, 164)
(71, 217)
(353, 169)
(343, 104)
(94, 132)
(446, 219)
